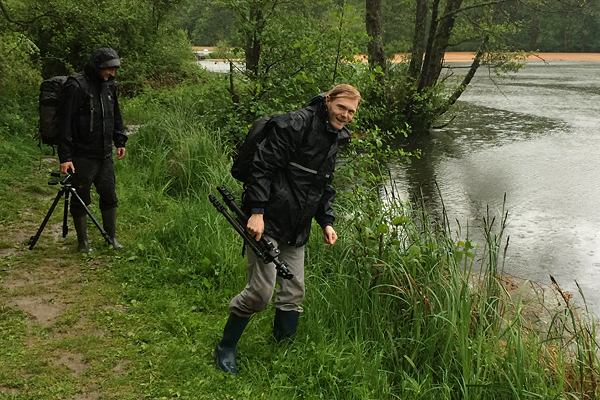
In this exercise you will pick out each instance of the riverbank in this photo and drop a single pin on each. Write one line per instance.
(222, 66)
(388, 310)
(543, 57)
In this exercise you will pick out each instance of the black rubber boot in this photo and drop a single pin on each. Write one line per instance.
(225, 351)
(109, 220)
(285, 324)
(83, 245)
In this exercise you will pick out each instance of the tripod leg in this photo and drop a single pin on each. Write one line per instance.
(65, 227)
(94, 220)
(33, 240)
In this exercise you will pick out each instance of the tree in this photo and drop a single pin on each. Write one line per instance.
(66, 32)
(293, 50)
(419, 92)
(373, 21)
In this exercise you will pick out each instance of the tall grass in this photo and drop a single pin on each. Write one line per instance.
(396, 309)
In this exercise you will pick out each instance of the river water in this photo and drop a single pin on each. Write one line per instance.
(533, 137)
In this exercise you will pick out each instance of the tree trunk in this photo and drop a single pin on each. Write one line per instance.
(373, 25)
(439, 45)
(428, 48)
(419, 39)
(253, 45)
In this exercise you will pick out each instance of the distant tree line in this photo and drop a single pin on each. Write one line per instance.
(293, 50)
(558, 26)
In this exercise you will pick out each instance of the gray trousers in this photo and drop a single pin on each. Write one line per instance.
(262, 279)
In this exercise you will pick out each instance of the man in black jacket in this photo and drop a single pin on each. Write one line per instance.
(90, 122)
(290, 184)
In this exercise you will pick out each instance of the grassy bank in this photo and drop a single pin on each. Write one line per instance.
(390, 311)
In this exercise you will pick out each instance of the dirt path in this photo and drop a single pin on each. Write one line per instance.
(56, 339)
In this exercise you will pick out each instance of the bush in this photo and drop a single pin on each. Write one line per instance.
(19, 83)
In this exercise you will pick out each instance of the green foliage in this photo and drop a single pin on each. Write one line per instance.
(301, 55)
(181, 153)
(392, 309)
(206, 21)
(222, 50)
(19, 83)
(153, 52)
(165, 64)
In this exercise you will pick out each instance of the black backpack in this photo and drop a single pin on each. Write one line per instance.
(49, 106)
(242, 164)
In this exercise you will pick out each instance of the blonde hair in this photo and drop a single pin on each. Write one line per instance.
(344, 90)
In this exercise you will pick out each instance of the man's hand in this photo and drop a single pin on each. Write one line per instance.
(120, 153)
(329, 234)
(64, 167)
(256, 226)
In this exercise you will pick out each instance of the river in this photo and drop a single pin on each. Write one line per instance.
(533, 137)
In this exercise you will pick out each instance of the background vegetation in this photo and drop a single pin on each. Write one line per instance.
(293, 50)
(393, 310)
(397, 309)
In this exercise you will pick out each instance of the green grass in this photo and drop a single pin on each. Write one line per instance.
(390, 311)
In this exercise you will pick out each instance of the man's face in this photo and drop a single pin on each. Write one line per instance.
(341, 111)
(107, 73)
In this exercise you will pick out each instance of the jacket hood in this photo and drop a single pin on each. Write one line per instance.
(101, 58)
(319, 101)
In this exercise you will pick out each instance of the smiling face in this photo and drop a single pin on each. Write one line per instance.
(107, 73)
(341, 110)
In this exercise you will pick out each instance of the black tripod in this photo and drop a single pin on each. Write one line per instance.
(67, 189)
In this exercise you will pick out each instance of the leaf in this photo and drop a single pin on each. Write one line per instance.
(458, 255)
(414, 251)
(400, 220)
(206, 283)
(383, 228)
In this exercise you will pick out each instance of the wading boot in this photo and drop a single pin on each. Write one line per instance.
(109, 220)
(80, 223)
(285, 325)
(225, 351)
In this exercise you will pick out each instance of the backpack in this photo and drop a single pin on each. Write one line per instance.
(242, 164)
(49, 106)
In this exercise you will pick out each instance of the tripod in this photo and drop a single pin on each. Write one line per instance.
(67, 189)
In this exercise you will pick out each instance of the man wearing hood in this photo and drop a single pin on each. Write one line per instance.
(90, 122)
(290, 184)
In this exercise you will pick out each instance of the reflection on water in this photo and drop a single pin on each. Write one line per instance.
(533, 137)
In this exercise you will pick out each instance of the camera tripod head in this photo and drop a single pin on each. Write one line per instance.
(66, 180)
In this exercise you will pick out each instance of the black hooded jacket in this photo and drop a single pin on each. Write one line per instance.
(292, 173)
(90, 117)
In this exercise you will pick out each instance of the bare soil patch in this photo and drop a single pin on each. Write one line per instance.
(43, 309)
(75, 362)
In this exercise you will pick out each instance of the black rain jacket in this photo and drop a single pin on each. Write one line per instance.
(292, 173)
(90, 118)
